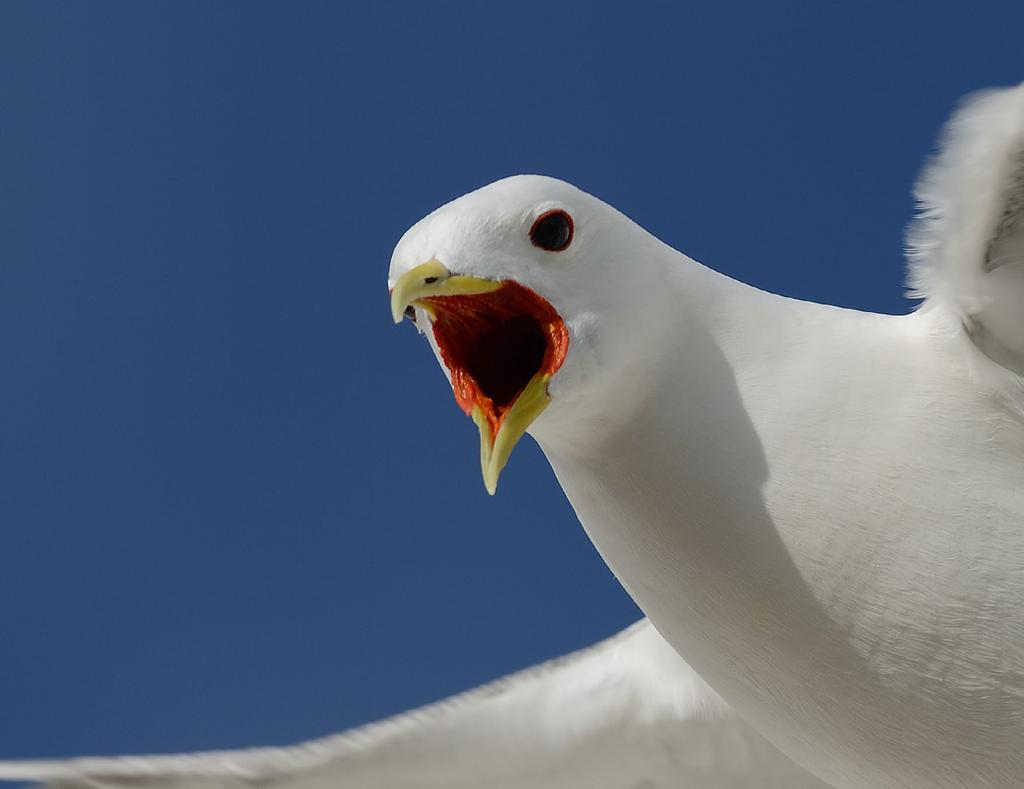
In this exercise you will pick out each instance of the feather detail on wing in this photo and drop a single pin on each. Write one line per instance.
(627, 712)
(966, 247)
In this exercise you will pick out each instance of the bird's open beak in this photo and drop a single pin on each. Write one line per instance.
(500, 341)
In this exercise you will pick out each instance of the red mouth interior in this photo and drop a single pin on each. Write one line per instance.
(494, 344)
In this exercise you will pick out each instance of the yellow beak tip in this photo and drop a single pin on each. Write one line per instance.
(397, 308)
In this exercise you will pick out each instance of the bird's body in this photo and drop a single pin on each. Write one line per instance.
(829, 530)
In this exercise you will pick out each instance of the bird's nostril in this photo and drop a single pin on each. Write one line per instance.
(410, 313)
(429, 280)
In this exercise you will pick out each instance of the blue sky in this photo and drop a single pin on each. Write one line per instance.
(237, 505)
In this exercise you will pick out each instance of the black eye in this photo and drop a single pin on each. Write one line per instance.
(552, 231)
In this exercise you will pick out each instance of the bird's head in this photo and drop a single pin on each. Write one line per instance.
(526, 289)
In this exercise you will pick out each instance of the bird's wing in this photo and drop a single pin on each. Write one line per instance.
(966, 247)
(623, 714)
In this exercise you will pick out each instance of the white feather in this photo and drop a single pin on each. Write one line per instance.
(627, 712)
(966, 247)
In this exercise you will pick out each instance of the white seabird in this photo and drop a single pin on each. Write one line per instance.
(821, 510)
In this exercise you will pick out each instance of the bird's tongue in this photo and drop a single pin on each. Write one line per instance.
(501, 349)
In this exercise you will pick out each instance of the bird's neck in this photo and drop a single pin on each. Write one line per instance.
(673, 499)
(672, 476)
